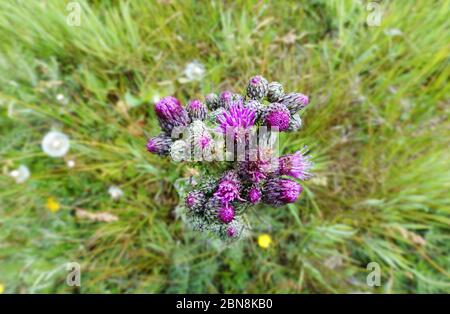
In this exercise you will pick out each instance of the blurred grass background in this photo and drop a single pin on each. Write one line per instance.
(377, 125)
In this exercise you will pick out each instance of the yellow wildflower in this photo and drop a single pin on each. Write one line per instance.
(52, 205)
(2, 288)
(264, 240)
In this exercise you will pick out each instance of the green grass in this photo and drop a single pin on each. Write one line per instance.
(378, 126)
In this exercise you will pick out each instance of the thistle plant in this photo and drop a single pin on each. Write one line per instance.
(231, 140)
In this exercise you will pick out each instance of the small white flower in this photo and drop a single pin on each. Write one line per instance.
(62, 99)
(115, 192)
(20, 174)
(55, 144)
(392, 32)
(71, 163)
(194, 71)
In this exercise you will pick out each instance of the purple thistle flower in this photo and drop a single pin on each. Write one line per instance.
(278, 191)
(195, 200)
(254, 195)
(197, 110)
(296, 165)
(228, 188)
(277, 116)
(226, 213)
(171, 114)
(258, 165)
(253, 171)
(159, 145)
(236, 119)
(295, 102)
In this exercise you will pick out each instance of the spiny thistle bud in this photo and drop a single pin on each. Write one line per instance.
(171, 114)
(197, 222)
(195, 200)
(232, 231)
(211, 208)
(225, 99)
(295, 124)
(257, 87)
(277, 116)
(207, 185)
(275, 92)
(212, 101)
(295, 102)
(159, 145)
(296, 165)
(236, 228)
(226, 213)
(278, 191)
(197, 110)
(255, 106)
(228, 188)
(201, 141)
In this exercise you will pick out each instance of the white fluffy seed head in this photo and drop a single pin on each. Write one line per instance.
(55, 144)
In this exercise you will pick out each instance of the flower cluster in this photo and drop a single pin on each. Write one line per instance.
(248, 175)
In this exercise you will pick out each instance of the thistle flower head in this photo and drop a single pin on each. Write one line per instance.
(275, 92)
(171, 114)
(225, 98)
(257, 87)
(212, 101)
(254, 195)
(207, 185)
(200, 140)
(231, 232)
(279, 191)
(195, 200)
(259, 164)
(226, 213)
(229, 188)
(197, 110)
(228, 99)
(277, 116)
(295, 102)
(295, 124)
(296, 165)
(255, 106)
(235, 229)
(159, 145)
(237, 118)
